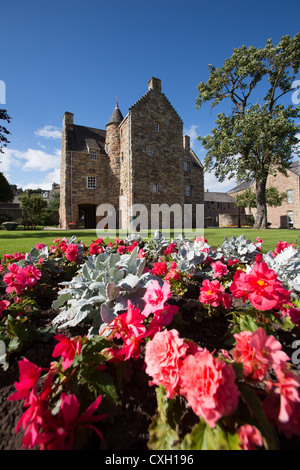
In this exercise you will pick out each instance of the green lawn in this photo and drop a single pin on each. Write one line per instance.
(23, 241)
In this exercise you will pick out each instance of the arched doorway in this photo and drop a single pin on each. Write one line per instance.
(87, 215)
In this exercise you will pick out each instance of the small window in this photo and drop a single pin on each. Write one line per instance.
(188, 190)
(150, 151)
(186, 166)
(91, 182)
(108, 147)
(155, 188)
(157, 127)
(117, 159)
(93, 154)
(289, 196)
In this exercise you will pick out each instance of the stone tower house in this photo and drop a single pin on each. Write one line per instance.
(142, 158)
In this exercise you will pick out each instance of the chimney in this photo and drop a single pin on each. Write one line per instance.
(154, 84)
(68, 120)
(186, 142)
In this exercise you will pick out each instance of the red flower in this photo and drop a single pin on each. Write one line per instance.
(261, 287)
(67, 349)
(71, 252)
(160, 268)
(212, 293)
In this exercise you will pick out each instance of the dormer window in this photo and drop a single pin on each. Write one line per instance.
(93, 154)
(150, 151)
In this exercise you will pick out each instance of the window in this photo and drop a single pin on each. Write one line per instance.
(93, 154)
(289, 195)
(186, 166)
(91, 182)
(155, 188)
(108, 147)
(157, 128)
(290, 221)
(150, 151)
(188, 190)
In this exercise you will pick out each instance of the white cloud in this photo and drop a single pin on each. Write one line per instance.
(191, 132)
(46, 183)
(31, 159)
(212, 184)
(49, 132)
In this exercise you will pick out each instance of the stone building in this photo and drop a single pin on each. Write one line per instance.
(288, 214)
(142, 158)
(220, 210)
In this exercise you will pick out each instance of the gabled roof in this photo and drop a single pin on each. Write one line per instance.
(81, 138)
(295, 167)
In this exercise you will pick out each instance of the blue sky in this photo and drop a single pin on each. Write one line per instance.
(77, 56)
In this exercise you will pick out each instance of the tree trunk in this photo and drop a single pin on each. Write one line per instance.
(261, 205)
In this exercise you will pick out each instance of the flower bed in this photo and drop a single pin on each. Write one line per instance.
(175, 344)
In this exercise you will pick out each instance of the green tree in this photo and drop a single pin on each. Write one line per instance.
(248, 198)
(3, 131)
(32, 207)
(258, 137)
(6, 192)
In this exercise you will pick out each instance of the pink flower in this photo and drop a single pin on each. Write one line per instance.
(3, 306)
(28, 378)
(130, 328)
(71, 420)
(161, 318)
(219, 268)
(257, 352)
(155, 297)
(39, 246)
(67, 349)
(212, 293)
(15, 279)
(287, 387)
(95, 249)
(261, 287)
(141, 253)
(71, 252)
(281, 246)
(209, 386)
(250, 437)
(160, 268)
(121, 249)
(172, 274)
(163, 357)
(172, 248)
(31, 274)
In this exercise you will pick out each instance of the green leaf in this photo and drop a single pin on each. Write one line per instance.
(203, 437)
(255, 408)
(162, 436)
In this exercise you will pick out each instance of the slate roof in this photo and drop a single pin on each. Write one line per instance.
(241, 187)
(218, 197)
(295, 167)
(116, 116)
(81, 139)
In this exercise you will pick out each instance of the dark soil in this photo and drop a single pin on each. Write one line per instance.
(130, 429)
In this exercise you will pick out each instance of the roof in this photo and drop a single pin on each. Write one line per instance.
(241, 187)
(218, 197)
(116, 116)
(81, 138)
(295, 167)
